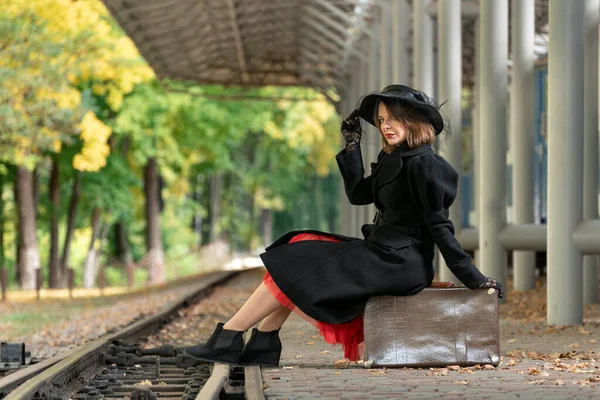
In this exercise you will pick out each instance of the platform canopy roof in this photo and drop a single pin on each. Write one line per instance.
(269, 42)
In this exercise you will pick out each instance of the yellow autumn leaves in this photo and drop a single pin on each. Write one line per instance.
(54, 50)
(306, 125)
(95, 151)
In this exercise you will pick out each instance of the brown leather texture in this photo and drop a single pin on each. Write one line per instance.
(442, 284)
(434, 328)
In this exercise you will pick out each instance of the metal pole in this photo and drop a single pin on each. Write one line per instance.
(400, 24)
(522, 132)
(450, 89)
(371, 139)
(356, 211)
(565, 151)
(422, 48)
(384, 46)
(476, 136)
(493, 50)
(590, 148)
(374, 83)
(366, 141)
(344, 227)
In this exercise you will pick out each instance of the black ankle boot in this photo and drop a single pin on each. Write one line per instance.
(223, 346)
(263, 349)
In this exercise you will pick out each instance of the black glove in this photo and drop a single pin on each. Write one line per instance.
(351, 131)
(491, 283)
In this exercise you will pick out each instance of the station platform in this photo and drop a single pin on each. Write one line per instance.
(538, 362)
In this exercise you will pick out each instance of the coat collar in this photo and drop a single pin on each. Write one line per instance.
(390, 165)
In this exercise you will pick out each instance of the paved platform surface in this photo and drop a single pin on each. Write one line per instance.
(538, 362)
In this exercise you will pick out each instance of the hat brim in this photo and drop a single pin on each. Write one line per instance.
(366, 110)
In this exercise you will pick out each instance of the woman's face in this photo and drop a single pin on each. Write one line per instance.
(392, 129)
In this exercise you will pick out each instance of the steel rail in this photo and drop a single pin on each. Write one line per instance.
(25, 383)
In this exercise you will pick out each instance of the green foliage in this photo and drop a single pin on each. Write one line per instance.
(78, 92)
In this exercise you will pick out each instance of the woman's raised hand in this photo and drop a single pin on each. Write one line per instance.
(491, 283)
(351, 131)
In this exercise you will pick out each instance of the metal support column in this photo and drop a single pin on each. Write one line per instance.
(477, 137)
(422, 48)
(565, 167)
(366, 212)
(384, 46)
(590, 148)
(400, 24)
(357, 211)
(344, 219)
(450, 89)
(493, 50)
(373, 84)
(522, 132)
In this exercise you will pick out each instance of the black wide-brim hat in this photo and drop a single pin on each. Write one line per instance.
(402, 93)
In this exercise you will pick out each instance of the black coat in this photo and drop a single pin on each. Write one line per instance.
(413, 190)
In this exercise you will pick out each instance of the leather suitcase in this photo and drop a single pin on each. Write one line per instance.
(434, 328)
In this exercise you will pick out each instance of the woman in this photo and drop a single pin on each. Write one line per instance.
(328, 278)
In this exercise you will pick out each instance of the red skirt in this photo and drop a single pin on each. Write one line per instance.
(350, 334)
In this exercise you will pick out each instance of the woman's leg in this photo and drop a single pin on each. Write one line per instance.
(275, 320)
(260, 304)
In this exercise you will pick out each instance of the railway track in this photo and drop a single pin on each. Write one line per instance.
(117, 366)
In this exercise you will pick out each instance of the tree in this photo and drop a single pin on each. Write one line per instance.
(53, 51)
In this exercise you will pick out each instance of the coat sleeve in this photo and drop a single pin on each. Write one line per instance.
(433, 184)
(358, 188)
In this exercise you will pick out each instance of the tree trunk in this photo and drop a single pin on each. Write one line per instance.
(198, 222)
(156, 268)
(56, 276)
(71, 218)
(36, 189)
(91, 260)
(252, 217)
(216, 183)
(29, 257)
(1, 220)
(100, 267)
(266, 223)
(319, 213)
(18, 236)
(123, 248)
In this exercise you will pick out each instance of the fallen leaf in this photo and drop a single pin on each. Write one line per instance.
(574, 345)
(537, 382)
(325, 352)
(462, 382)
(310, 343)
(453, 367)
(512, 340)
(143, 383)
(378, 372)
(511, 362)
(343, 363)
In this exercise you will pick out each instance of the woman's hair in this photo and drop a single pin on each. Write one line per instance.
(419, 129)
